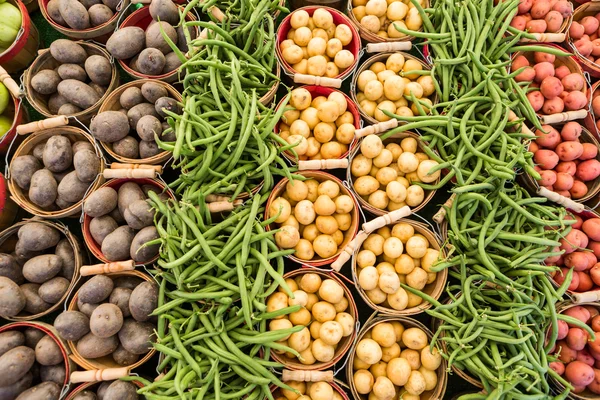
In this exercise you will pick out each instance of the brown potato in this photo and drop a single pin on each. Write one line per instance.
(139, 214)
(21, 254)
(128, 282)
(148, 126)
(47, 352)
(58, 154)
(43, 188)
(15, 364)
(101, 90)
(10, 339)
(43, 391)
(91, 346)
(137, 337)
(138, 111)
(127, 147)
(66, 51)
(10, 269)
(172, 63)
(100, 202)
(182, 40)
(55, 102)
(167, 103)
(151, 61)
(140, 253)
(69, 109)
(72, 325)
(143, 300)
(116, 215)
(85, 395)
(106, 320)
(45, 82)
(67, 255)
(71, 189)
(100, 14)
(153, 91)
(74, 14)
(123, 357)
(42, 268)
(126, 42)
(100, 227)
(22, 169)
(36, 236)
(120, 390)
(96, 290)
(54, 13)
(116, 244)
(34, 303)
(81, 145)
(33, 336)
(149, 149)
(155, 39)
(72, 71)
(128, 193)
(78, 93)
(12, 299)
(54, 289)
(131, 96)
(86, 308)
(87, 165)
(120, 297)
(53, 373)
(14, 390)
(98, 67)
(164, 10)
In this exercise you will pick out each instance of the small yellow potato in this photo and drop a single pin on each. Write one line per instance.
(328, 188)
(344, 221)
(331, 70)
(281, 206)
(396, 192)
(306, 356)
(364, 78)
(317, 46)
(323, 132)
(312, 300)
(374, 242)
(324, 205)
(310, 232)
(360, 12)
(299, 341)
(369, 351)
(417, 246)
(398, 371)
(371, 146)
(287, 237)
(378, 199)
(300, 317)
(373, 90)
(430, 378)
(393, 88)
(395, 149)
(431, 277)
(321, 391)
(326, 224)
(323, 311)
(398, 328)
(304, 212)
(302, 36)
(325, 246)
(413, 300)
(361, 165)
(365, 258)
(384, 75)
(404, 112)
(365, 185)
(376, 7)
(345, 118)
(304, 250)
(385, 105)
(331, 291)
(299, 19)
(323, 352)
(378, 369)
(300, 298)
(340, 100)
(300, 128)
(412, 65)
(389, 353)
(383, 159)
(317, 65)
(407, 162)
(383, 333)
(343, 33)
(292, 54)
(320, 33)
(315, 329)
(357, 364)
(384, 267)
(414, 338)
(431, 360)
(300, 99)
(417, 278)
(404, 264)
(331, 332)
(409, 144)
(328, 111)
(383, 387)
(301, 67)
(389, 282)
(395, 62)
(296, 190)
(393, 31)
(347, 322)
(343, 204)
(312, 189)
(377, 296)
(322, 18)
(393, 206)
(344, 59)
(279, 324)
(413, 19)
(416, 383)
(398, 300)
(413, 357)
(333, 47)
(291, 395)
(310, 283)
(291, 284)
(341, 305)
(368, 278)
(370, 23)
(403, 231)
(393, 247)
(369, 107)
(427, 84)
(431, 256)
(289, 117)
(314, 147)
(363, 381)
(396, 11)
(423, 171)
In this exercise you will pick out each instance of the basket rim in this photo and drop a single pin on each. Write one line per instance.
(581, 8)
(318, 262)
(68, 30)
(340, 352)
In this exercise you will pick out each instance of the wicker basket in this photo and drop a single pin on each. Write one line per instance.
(93, 386)
(106, 361)
(50, 331)
(364, 203)
(324, 91)
(112, 104)
(434, 289)
(380, 57)
(343, 345)
(8, 208)
(90, 243)
(436, 394)
(24, 49)
(8, 239)
(353, 47)
(588, 9)
(574, 67)
(74, 135)
(46, 61)
(99, 33)
(591, 118)
(348, 235)
(550, 37)
(593, 186)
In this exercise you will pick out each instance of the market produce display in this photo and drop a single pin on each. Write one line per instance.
(109, 390)
(542, 16)
(81, 15)
(382, 17)
(309, 391)
(10, 25)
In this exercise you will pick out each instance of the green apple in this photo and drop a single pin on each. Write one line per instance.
(5, 124)
(7, 35)
(4, 97)
(11, 16)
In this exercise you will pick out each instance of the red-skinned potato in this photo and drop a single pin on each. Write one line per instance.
(526, 76)
(594, 246)
(595, 47)
(539, 57)
(547, 178)
(573, 81)
(562, 71)
(579, 312)
(594, 386)
(595, 275)
(594, 354)
(564, 193)
(539, 9)
(554, 21)
(579, 373)
(553, 106)
(558, 367)
(593, 311)
(578, 221)
(576, 30)
(577, 338)
(592, 260)
(588, 170)
(536, 99)
(571, 131)
(533, 147)
(575, 100)
(596, 105)
(519, 62)
(577, 260)
(519, 22)
(563, 329)
(594, 344)
(591, 227)
(525, 6)
(546, 159)
(565, 8)
(543, 70)
(584, 46)
(585, 357)
(568, 167)
(598, 124)
(551, 87)
(578, 190)
(595, 324)
(553, 260)
(563, 181)
(578, 389)
(590, 24)
(589, 151)
(566, 353)
(569, 150)
(547, 137)
(559, 278)
(593, 36)
(536, 26)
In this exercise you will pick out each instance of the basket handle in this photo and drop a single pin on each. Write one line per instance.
(586, 297)
(563, 117)
(10, 83)
(307, 376)
(546, 38)
(132, 171)
(386, 219)
(54, 122)
(322, 164)
(376, 128)
(349, 250)
(106, 268)
(559, 199)
(157, 168)
(318, 80)
(513, 117)
(94, 375)
(388, 46)
(441, 214)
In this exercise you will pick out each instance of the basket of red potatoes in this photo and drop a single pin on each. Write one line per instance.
(559, 81)
(581, 246)
(576, 354)
(567, 160)
(583, 37)
(542, 16)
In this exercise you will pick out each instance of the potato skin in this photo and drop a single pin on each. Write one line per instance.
(42, 268)
(123, 357)
(43, 188)
(72, 71)
(100, 202)
(166, 103)
(34, 303)
(100, 227)
(116, 244)
(106, 320)
(164, 10)
(22, 254)
(153, 91)
(67, 255)
(121, 390)
(85, 395)
(136, 337)
(15, 364)
(14, 390)
(46, 81)
(33, 336)
(154, 37)
(172, 62)
(127, 147)
(96, 290)
(139, 214)
(148, 126)
(126, 42)
(128, 282)
(151, 61)
(22, 169)
(138, 111)
(35, 236)
(128, 193)
(131, 97)
(69, 109)
(72, 325)
(10, 339)
(91, 346)
(86, 308)
(54, 289)
(101, 90)
(10, 269)
(144, 254)
(58, 154)
(78, 93)
(47, 352)
(81, 145)
(100, 14)
(43, 391)
(120, 297)
(66, 51)
(100, 392)
(98, 68)
(54, 12)
(143, 300)
(12, 299)
(74, 13)
(149, 149)
(110, 126)
(87, 165)
(53, 373)
(71, 189)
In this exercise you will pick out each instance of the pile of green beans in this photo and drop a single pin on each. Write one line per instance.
(241, 12)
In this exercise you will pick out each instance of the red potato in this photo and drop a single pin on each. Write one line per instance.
(525, 6)
(553, 106)
(571, 131)
(550, 188)
(593, 36)
(547, 178)
(539, 9)
(578, 222)
(598, 124)
(576, 30)
(519, 62)
(585, 357)
(565, 8)
(594, 386)
(595, 46)
(577, 338)
(576, 100)
(563, 181)
(584, 46)
(546, 159)
(569, 150)
(590, 24)
(572, 240)
(578, 190)
(564, 95)
(554, 21)
(595, 275)
(596, 105)
(554, 259)
(539, 57)
(562, 71)
(533, 147)
(519, 22)
(543, 70)
(577, 260)
(579, 312)
(573, 81)
(593, 311)
(591, 227)
(551, 87)
(594, 344)
(578, 389)
(527, 75)
(588, 170)
(536, 26)
(567, 354)
(560, 278)
(564, 193)
(595, 324)
(563, 329)
(579, 373)
(558, 367)
(536, 99)
(594, 354)
(592, 260)
(595, 247)
(547, 137)
(589, 151)
(527, 17)
(568, 167)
